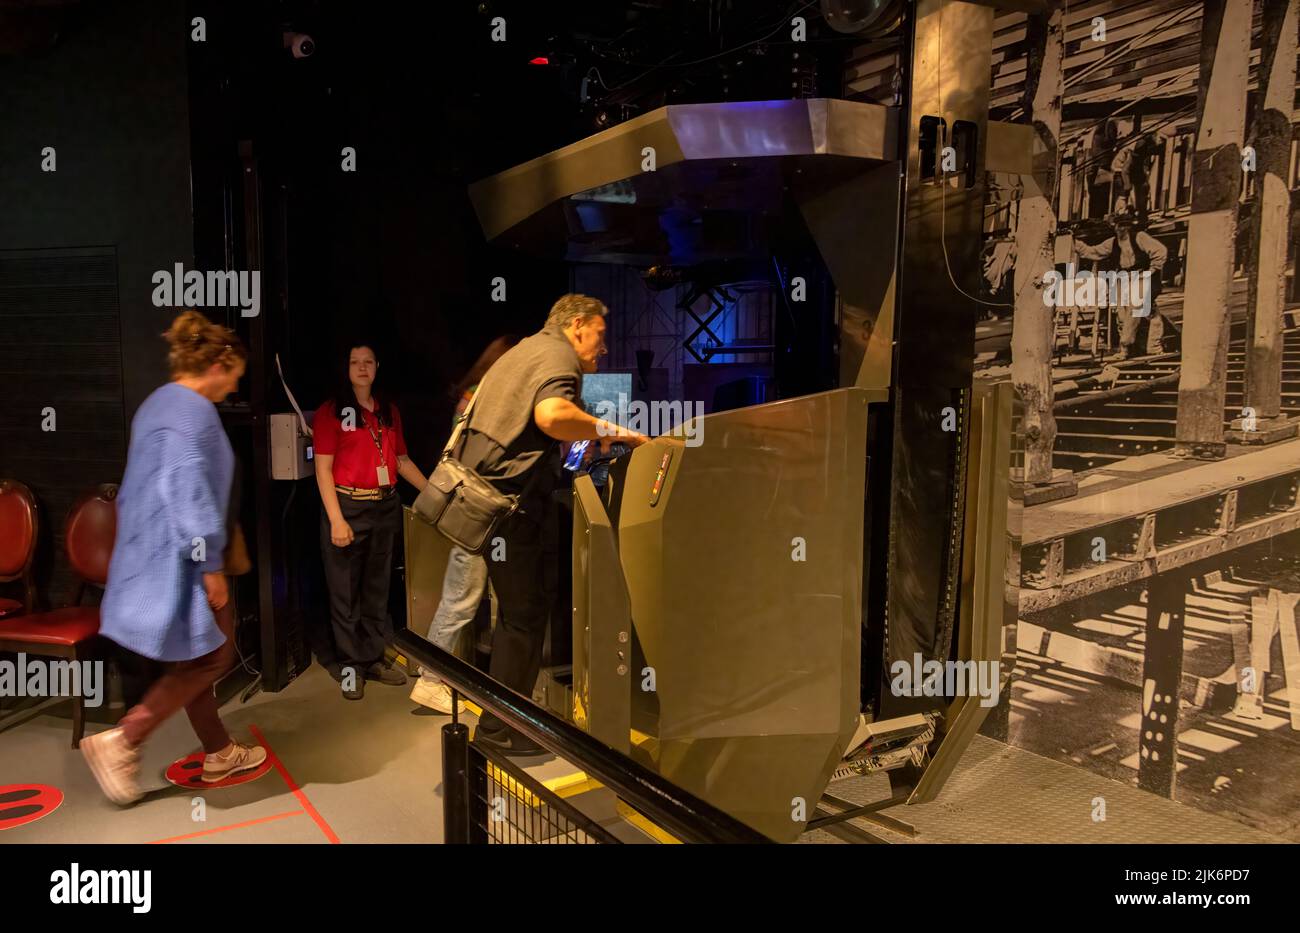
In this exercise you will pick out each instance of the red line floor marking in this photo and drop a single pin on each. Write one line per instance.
(302, 798)
(13, 796)
(222, 829)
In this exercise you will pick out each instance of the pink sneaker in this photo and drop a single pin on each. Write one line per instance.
(240, 758)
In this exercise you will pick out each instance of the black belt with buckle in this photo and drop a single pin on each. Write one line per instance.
(363, 495)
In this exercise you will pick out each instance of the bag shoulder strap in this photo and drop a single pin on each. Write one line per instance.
(460, 427)
(463, 421)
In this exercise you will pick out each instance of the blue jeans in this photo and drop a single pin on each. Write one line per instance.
(463, 587)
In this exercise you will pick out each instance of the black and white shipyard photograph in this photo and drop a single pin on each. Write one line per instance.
(649, 422)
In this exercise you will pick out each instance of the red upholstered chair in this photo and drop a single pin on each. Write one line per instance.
(18, 530)
(70, 632)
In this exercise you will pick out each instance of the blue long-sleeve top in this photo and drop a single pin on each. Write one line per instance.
(171, 528)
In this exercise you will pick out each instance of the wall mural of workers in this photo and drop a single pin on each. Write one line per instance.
(1157, 571)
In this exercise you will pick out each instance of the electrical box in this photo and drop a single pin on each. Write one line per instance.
(291, 449)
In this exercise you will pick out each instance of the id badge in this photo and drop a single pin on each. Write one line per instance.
(383, 476)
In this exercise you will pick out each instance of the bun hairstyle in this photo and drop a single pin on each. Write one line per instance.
(196, 343)
(495, 350)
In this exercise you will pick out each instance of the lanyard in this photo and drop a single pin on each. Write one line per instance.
(379, 440)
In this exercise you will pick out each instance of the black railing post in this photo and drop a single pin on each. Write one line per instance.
(455, 784)
(478, 798)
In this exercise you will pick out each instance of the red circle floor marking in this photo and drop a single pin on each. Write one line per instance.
(188, 772)
(27, 803)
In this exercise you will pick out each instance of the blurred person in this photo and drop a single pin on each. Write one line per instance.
(1145, 152)
(1098, 174)
(167, 597)
(999, 260)
(466, 578)
(360, 451)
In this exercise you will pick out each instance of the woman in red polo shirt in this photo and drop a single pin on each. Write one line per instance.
(360, 452)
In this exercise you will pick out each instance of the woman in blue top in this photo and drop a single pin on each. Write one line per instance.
(166, 596)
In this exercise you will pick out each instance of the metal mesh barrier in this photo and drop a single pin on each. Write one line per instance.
(488, 799)
(509, 807)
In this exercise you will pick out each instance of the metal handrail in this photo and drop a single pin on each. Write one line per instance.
(679, 812)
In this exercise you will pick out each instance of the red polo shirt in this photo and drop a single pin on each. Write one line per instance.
(356, 458)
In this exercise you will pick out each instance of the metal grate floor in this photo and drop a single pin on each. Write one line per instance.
(1003, 794)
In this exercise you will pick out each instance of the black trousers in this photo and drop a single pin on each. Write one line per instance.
(520, 583)
(357, 577)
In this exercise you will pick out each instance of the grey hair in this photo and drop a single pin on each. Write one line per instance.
(571, 308)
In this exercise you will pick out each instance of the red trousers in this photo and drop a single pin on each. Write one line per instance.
(188, 685)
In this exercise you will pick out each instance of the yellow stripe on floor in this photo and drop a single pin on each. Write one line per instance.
(564, 786)
(512, 787)
(572, 785)
(642, 823)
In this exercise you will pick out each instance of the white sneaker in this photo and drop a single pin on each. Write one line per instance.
(115, 763)
(435, 695)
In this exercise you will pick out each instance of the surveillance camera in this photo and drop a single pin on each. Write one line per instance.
(300, 44)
